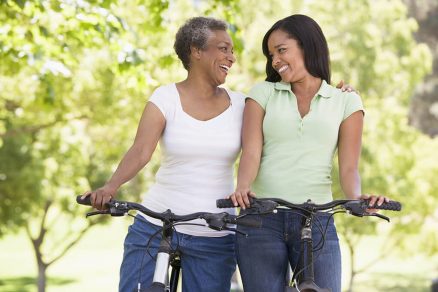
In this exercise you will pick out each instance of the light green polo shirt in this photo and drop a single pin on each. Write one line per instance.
(297, 154)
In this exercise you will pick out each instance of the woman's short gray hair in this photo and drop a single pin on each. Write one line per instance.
(195, 33)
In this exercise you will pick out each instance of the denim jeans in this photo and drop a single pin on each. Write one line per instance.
(264, 255)
(207, 263)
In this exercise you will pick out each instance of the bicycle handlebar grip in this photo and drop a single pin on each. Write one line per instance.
(248, 221)
(224, 203)
(228, 203)
(85, 201)
(391, 205)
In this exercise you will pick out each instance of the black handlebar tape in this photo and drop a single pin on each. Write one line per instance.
(391, 205)
(84, 201)
(249, 221)
(224, 203)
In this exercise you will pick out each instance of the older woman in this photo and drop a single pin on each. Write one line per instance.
(198, 125)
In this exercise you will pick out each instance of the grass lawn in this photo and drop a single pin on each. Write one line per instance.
(93, 265)
(398, 275)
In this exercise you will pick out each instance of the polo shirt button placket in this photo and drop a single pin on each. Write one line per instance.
(300, 130)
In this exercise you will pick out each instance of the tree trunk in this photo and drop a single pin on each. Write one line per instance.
(352, 263)
(424, 105)
(42, 262)
(42, 267)
(37, 243)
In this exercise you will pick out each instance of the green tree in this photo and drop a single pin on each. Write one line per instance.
(373, 47)
(48, 152)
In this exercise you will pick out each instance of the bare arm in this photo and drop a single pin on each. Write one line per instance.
(349, 145)
(349, 148)
(149, 131)
(252, 144)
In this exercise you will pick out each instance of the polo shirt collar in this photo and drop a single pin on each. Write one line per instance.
(282, 85)
(324, 91)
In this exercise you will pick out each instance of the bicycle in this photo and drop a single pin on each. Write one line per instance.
(304, 279)
(166, 255)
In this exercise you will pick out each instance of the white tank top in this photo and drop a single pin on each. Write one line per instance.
(197, 160)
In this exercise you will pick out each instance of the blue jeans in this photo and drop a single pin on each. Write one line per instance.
(264, 255)
(207, 263)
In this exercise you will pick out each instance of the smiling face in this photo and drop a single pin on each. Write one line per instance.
(287, 57)
(217, 57)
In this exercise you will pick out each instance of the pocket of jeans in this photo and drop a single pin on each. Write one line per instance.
(329, 229)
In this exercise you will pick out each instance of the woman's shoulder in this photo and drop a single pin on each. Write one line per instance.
(262, 92)
(165, 97)
(165, 93)
(348, 98)
(339, 95)
(264, 85)
(165, 90)
(347, 102)
(264, 88)
(235, 96)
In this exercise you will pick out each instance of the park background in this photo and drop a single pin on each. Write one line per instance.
(75, 75)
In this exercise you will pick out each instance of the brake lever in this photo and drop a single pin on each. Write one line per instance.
(104, 212)
(216, 221)
(111, 211)
(377, 215)
(360, 210)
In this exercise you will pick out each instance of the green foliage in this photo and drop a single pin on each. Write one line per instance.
(372, 46)
(20, 181)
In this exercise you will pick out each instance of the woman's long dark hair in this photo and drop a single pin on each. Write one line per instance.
(311, 40)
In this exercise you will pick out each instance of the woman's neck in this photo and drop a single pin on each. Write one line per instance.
(307, 87)
(199, 86)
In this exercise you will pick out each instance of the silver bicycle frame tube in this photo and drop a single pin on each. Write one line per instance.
(161, 274)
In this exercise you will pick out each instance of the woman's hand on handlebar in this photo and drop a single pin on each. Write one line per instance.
(101, 196)
(240, 197)
(374, 200)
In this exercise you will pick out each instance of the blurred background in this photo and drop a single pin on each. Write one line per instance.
(75, 76)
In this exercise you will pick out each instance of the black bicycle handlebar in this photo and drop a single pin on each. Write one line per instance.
(360, 204)
(355, 207)
(216, 221)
